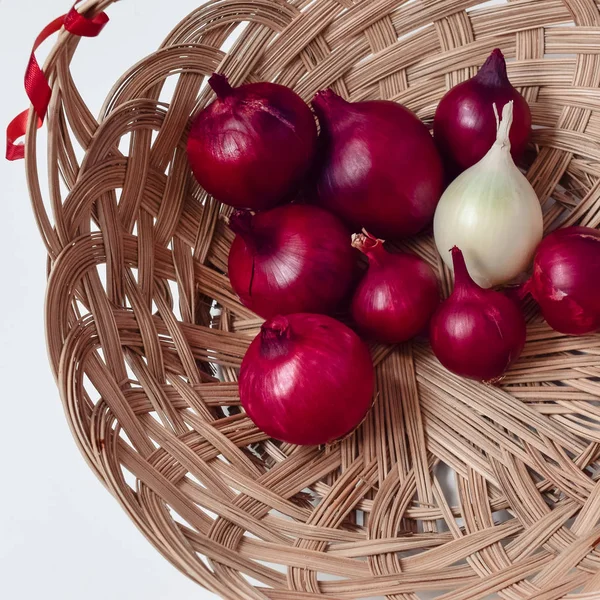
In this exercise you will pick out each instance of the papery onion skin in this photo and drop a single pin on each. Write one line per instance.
(380, 168)
(476, 333)
(492, 213)
(464, 126)
(295, 258)
(253, 144)
(566, 280)
(397, 296)
(306, 379)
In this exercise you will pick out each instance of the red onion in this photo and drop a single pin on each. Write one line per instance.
(253, 144)
(566, 280)
(476, 333)
(464, 127)
(381, 170)
(295, 258)
(397, 296)
(306, 379)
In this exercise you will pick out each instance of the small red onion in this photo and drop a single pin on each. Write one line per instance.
(476, 333)
(381, 170)
(566, 280)
(253, 144)
(465, 127)
(295, 258)
(397, 296)
(306, 379)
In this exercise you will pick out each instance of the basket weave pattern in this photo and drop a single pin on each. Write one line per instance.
(147, 372)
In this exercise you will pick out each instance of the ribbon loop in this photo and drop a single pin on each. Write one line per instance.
(78, 24)
(36, 84)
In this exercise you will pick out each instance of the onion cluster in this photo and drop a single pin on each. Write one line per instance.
(307, 378)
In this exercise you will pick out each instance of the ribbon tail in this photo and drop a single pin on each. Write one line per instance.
(36, 83)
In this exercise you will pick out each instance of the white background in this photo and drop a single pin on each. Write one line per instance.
(62, 536)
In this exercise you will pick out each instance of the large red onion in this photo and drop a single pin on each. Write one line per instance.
(476, 333)
(253, 144)
(295, 258)
(380, 168)
(566, 280)
(397, 296)
(464, 127)
(306, 379)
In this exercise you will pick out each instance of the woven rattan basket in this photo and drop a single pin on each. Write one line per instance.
(448, 486)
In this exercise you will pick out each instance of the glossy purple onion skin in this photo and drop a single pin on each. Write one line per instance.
(295, 258)
(380, 169)
(396, 298)
(477, 333)
(253, 145)
(464, 127)
(306, 379)
(566, 280)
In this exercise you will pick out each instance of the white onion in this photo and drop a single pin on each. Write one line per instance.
(492, 214)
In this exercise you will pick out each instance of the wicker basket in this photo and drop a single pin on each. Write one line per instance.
(147, 367)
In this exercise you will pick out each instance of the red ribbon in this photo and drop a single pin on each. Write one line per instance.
(36, 84)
